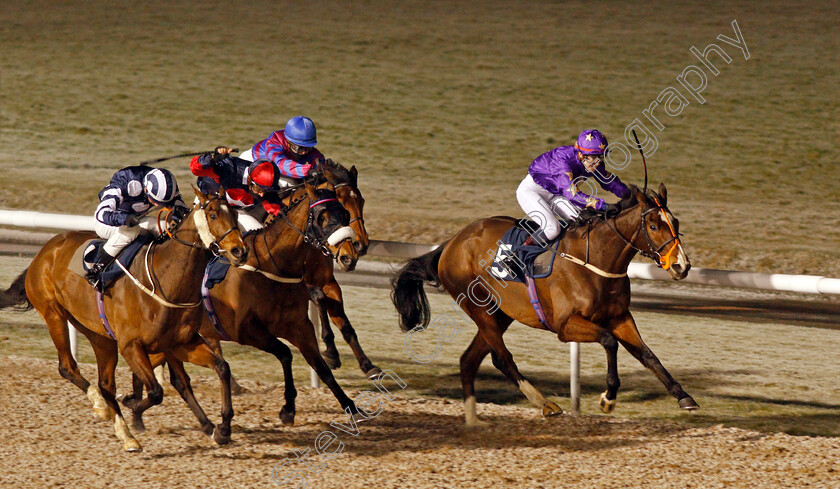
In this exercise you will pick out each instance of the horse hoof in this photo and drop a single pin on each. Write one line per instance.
(132, 446)
(607, 406)
(373, 372)
(551, 409)
(688, 404)
(476, 424)
(236, 389)
(208, 429)
(287, 416)
(138, 425)
(332, 359)
(219, 438)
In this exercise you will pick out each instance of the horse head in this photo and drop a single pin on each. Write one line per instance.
(659, 231)
(328, 224)
(346, 187)
(216, 226)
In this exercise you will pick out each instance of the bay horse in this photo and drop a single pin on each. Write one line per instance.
(583, 300)
(256, 309)
(162, 321)
(319, 274)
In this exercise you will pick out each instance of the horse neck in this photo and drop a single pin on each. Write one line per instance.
(606, 249)
(180, 264)
(280, 248)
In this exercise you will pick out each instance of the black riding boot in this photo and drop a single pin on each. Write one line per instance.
(94, 274)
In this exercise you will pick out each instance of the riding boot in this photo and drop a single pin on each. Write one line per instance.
(94, 274)
(537, 238)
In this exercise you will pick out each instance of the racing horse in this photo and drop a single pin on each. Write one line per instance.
(583, 300)
(269, 298)
(319, 273)
(162, 321)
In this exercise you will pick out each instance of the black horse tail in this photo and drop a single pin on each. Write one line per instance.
(408, 295)
(15, 295)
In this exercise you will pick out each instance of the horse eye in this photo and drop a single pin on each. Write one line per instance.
(653, 227)
(214, 216)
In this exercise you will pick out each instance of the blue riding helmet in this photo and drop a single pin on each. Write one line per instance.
(300, 130)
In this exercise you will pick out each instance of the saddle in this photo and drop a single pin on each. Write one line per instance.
(89, 253)
(514, 261)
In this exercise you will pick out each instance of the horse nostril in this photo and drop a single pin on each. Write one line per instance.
(345, 260)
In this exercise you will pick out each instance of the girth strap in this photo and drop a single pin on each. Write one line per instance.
(100, 304)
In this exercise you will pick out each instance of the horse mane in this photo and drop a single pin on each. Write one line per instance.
(342, 175)
(590, 218)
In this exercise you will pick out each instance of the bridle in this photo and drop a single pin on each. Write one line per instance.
(654, 252)
(308, 233)
(355, 189)
(215, 245)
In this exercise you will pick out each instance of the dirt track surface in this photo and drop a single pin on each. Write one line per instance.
(52, 439)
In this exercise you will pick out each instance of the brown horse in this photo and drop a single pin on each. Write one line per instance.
(584, 300)
(319, 273)
(144, 323)
(255, 309)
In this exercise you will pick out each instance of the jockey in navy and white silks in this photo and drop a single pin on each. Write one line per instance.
(251, 188)
(292, 150)
(551, 190)
(122, 203)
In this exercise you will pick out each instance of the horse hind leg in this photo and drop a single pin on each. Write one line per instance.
(492, 329)
(105, 350)
(470, 361)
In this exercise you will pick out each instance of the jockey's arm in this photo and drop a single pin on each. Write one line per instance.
(611, 183)
(110, 199)
(562, 184)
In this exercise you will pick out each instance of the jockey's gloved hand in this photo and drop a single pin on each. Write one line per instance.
(611, 210)
(131, 220)
(314, 175)
(221, 152)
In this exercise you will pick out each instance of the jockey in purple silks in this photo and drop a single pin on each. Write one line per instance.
(551, 189)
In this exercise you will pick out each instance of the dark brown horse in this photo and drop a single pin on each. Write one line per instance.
(255, 309)
(582, 303)
(319, 273)
(142, 324)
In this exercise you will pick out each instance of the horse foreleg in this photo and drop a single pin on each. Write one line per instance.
(181, 382)
(257, 336)
(625, 331)
(141, 365)
(334, 305)
(302, 336)
(199, 353)
(105, 350)
(330, 353)
(581, 330)
(216, 346)
(470, 361)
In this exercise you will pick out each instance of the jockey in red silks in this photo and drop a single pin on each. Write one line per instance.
(292, 150)
(251, 187)
(551, 189)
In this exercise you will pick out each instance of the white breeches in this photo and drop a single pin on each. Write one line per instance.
(545, 208)
(118, 237)
(246, 221)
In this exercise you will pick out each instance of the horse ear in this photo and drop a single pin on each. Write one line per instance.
(354, 171)
(664, 193)
(310, 189)
(198, 193)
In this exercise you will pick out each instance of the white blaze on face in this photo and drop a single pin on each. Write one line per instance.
(203, 227)
(678, 257)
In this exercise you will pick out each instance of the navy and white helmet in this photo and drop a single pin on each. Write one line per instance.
(160, 186)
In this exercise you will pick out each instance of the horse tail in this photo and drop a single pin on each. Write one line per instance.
(408, 295)
(15, 295)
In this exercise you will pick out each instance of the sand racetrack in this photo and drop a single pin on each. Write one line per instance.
(52, 439)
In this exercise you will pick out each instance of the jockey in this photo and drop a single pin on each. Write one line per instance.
(292, 150)
(121, 215)
(251, 188)
(551, 191)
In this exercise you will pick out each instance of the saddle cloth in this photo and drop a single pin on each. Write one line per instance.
(513, 261)
(88, 253)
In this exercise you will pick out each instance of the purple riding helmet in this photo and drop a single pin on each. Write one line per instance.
(591, 142)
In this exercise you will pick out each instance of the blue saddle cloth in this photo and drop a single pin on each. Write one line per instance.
(514, 261)
(216, 271)
(113, 272)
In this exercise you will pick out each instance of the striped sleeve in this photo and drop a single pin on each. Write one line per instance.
(106, 212)
(270, 149)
